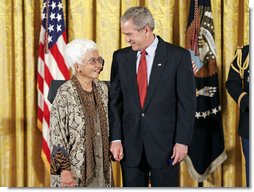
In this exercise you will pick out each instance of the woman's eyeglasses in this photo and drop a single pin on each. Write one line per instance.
(94, 60)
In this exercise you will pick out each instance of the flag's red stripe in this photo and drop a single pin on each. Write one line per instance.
(48, 76)
(46, 113)
(64, 37)
(40, 82)
(60, 61)
(41, 51)
(45, 149)
(40, 114)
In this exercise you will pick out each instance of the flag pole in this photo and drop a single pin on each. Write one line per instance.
(46, 27)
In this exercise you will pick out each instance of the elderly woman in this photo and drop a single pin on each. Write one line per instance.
(79, 142)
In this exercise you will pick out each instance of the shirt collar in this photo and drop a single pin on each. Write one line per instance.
(151, 49)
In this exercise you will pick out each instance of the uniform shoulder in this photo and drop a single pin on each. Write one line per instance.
(241, 59)
(241, 51)
(245, 50)
(243, 47)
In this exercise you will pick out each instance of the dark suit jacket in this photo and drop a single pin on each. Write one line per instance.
(236, 86)
(169, 109)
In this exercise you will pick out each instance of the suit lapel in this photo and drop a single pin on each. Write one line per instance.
(158, 67)
(131, 72)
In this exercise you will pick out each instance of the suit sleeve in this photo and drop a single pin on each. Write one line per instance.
(234, 87)
(115, 102)
(186, 100)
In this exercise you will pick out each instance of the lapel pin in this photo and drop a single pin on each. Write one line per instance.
(159, 65)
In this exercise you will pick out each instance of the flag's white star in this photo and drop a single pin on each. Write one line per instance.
(44, 5)
(52, 16)
(204, 114)
(49, 38)
(58, 28)
(51, 28)
(197, 115)
(53, 5)
(43, 16)
(60, 5)
(59, 17)
(214, 111)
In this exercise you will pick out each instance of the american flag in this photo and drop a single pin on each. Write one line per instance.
(51, 65)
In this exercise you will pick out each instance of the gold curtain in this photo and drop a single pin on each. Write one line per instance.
(20, 152)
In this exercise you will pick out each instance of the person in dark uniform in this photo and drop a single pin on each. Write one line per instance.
(238, 87)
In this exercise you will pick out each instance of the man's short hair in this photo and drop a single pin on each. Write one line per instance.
(140, 16)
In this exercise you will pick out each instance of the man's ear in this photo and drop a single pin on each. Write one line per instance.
(147, 29)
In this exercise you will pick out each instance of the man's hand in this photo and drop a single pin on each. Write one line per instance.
(179, 153)
(116, 149)
(67, 179)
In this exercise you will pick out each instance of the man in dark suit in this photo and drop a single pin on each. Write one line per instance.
(238, 87)
(152, 104)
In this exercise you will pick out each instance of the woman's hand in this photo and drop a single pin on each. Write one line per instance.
(67, 179)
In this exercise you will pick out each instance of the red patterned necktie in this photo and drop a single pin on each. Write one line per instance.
(142, 78)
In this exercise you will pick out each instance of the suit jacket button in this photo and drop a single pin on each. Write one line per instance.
(142, 114)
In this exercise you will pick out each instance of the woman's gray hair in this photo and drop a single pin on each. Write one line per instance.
(75, 51)
(140, 16)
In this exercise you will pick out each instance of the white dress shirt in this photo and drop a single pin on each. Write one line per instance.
(149, 57)
(149, 61)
